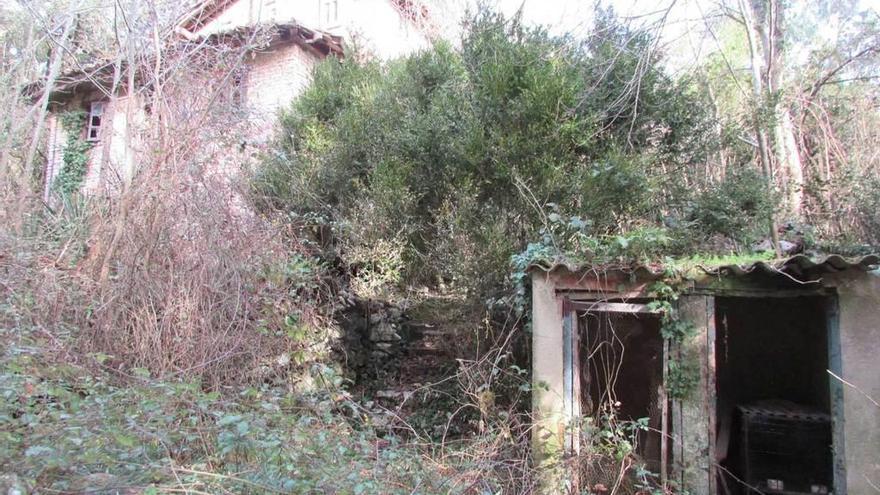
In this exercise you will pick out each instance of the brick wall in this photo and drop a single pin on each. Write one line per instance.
(110, 160)
(117, 160)
(273, 80)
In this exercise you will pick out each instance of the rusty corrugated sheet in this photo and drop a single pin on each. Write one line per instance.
(801, 264)
(798, 266)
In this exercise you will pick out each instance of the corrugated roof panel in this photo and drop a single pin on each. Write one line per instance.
(801, 264)
(796, 266)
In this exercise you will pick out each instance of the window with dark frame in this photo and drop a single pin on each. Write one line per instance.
(328, 11)
(96, 115)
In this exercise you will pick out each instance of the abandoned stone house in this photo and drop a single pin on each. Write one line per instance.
(299, 34)
(781, 359)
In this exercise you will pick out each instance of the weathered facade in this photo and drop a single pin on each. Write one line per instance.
(780, 371)
(382, 28)
(294, 36)
(112, 129)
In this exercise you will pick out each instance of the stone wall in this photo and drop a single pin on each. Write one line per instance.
(374, 338)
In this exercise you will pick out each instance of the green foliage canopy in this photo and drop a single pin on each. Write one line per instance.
(455, 152)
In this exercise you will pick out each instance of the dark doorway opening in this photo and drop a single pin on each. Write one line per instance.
(621, 374)
(773, 395)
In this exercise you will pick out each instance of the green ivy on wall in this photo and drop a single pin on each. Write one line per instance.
(683, 374)
(75, 155)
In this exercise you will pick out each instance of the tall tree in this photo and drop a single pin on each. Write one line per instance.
(760, 92)
(771, 26)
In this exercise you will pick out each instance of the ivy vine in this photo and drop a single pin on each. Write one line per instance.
(683, 375)
(75, 156)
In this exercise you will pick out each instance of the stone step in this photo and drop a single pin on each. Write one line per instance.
(425, 349)
(432, 333)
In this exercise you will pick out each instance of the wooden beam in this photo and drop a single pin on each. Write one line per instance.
(835, 365)
(568, 327)
(711, 402)
(614, 307)
(664, 419)
(756, 292)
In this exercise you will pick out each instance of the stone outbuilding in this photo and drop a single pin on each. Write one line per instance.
(756, 378)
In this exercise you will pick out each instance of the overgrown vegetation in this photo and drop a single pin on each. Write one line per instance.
(190, 331)
(75, 156)
(80, 419)
(441, 168)
(75, 423)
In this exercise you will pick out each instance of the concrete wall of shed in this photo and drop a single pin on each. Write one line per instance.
(692, 420)
(859, 327)
(859, 334)
(547, 376)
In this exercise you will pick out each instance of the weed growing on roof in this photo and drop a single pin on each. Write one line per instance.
(683, 372)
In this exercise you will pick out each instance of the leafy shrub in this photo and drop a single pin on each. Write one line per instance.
(375, 268)
(450, 153)
(71, 429)
(866, 196)
(736, 208)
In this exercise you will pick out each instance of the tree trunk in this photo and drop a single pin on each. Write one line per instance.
(760, 127)
(14, 123)
(43, 106)
(786, 152)
(128, 175)
(789, 160)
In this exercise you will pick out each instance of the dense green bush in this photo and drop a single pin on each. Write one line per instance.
(868, 194)
(453, 154)
(736, 207)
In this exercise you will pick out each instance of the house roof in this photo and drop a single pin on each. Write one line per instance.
(95, 75)
(99, 73)
(800, 265)
(418, 13)
(321, 42)
(204, 12)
